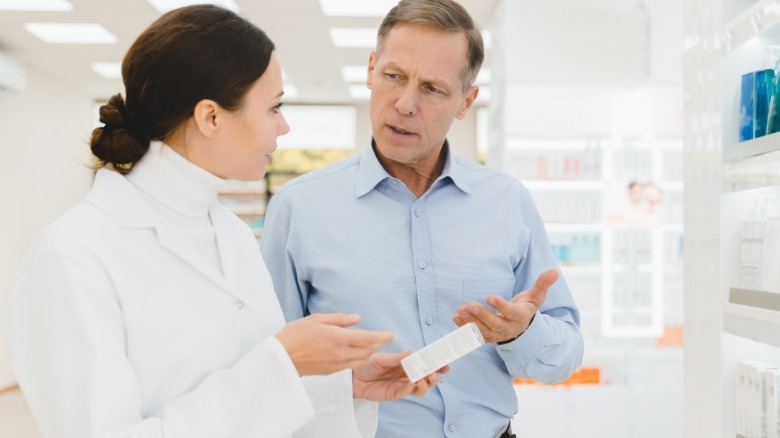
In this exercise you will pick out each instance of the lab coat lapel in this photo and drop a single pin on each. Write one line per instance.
(118, 197)
(172, 240)
(226, 243)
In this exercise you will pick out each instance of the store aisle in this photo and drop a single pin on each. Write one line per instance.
(15, 418)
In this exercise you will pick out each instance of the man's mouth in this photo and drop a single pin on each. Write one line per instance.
(399, 130)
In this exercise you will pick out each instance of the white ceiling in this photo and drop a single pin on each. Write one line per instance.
(298, 27)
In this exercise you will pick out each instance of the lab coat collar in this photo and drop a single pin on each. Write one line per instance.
(119, 198)
(371, 172)
(175, 181)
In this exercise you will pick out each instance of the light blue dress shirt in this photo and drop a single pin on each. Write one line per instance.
(351, 238)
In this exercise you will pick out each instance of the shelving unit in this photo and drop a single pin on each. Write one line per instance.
(578, 207)
(247, 199)
(750, 329)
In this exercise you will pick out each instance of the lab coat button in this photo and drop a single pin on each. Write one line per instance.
(239, 305)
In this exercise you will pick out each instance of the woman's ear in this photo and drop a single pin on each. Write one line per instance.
(205, 117)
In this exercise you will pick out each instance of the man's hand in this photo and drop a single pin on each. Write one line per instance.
(512, 317)
(382, 378)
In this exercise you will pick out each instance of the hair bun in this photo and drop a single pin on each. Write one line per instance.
(114, 113)
(117, 142)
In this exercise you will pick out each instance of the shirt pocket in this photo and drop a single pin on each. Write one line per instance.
(478, 288)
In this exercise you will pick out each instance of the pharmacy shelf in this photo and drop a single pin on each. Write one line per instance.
(671, 185)
(760, 325)
(580, 411)
(563, 185)
(747, 151)
(248, 212)
(581, 269)
(558, 227)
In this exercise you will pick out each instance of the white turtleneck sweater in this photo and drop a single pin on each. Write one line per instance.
(181, 192)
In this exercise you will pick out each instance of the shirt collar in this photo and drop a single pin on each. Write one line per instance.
(175, 181)
(371, 172)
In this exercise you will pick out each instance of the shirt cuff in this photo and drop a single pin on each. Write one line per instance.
(527, 346)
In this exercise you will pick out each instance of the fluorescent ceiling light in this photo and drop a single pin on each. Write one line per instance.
(355, 73)
(359, 92)
(484, 76)
(110, 70)
(484, 94)
(167, 5)
(487, 39)
(364, 37)
(35, 5)
(71, 33)
(356, 8)
(290, 92)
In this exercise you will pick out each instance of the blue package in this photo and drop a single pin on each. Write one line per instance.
(746, 106)
(764, 89)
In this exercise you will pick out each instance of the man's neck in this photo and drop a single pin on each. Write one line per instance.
(417, 177)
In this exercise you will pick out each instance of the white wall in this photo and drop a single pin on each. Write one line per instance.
(43, 171)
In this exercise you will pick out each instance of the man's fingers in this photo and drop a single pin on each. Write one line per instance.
(537, 293)
(512, 310)
(487, 317)
(546, 279)
(391, 360)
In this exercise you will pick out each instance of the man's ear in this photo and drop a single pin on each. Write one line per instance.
(471, 96)
(206, 117)
(371, 65)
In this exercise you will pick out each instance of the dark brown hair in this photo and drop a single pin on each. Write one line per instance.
(187, 55)
(446, 15)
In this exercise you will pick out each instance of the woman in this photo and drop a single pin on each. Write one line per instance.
(146, 310)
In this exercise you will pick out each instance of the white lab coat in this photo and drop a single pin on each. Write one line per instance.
(119, 327)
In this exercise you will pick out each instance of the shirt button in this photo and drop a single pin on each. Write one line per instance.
(422, 264)
(417, 212)
(451, 428)
(429, 320)
(239, 305)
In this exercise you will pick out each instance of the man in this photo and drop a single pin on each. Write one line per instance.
(419, 241)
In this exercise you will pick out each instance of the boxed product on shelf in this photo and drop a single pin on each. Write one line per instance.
(756, 402)
(754, 103)
(772, 391)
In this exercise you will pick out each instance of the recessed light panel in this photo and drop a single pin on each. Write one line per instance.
(167, 5)
(35, 5)
(484, 76)
(361, 37)
(290, 92)
(356, 8)
(355, 73)
(359, 92)
(110, 70)
(71, 33)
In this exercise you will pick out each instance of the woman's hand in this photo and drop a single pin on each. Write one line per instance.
(321, 344)
(382, 378)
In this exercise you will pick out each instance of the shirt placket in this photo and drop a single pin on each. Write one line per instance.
(423, 269)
